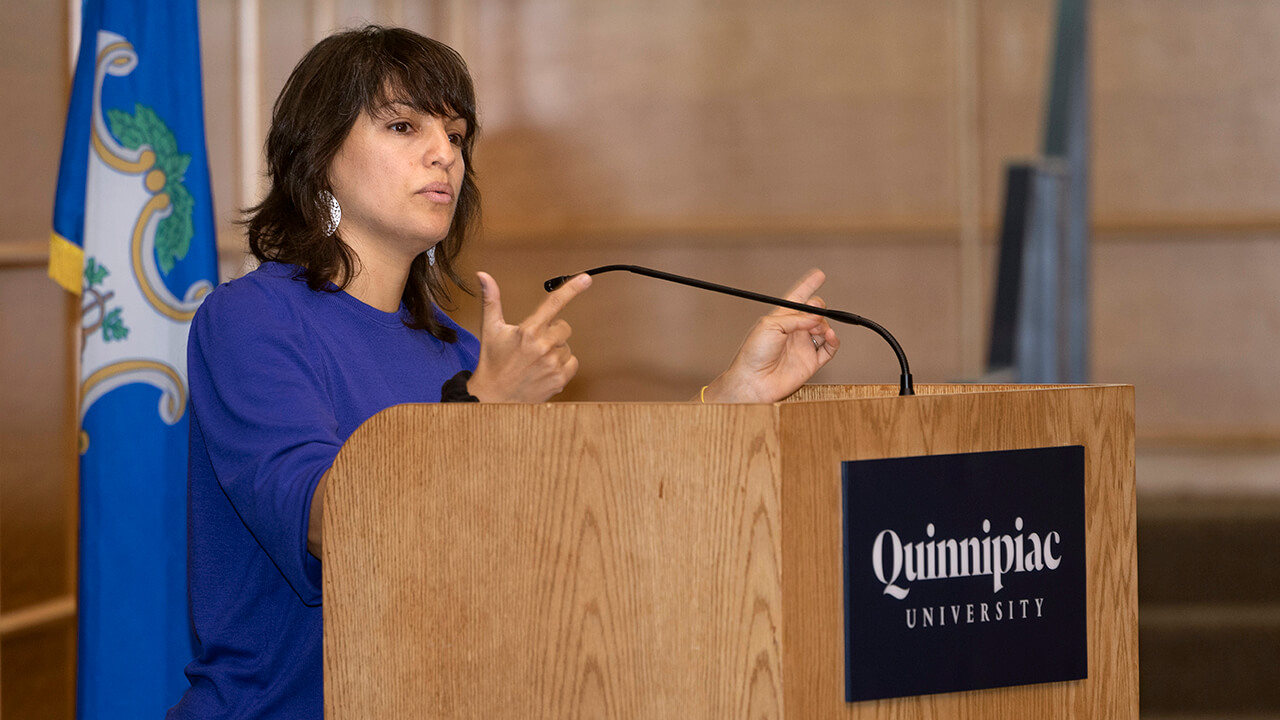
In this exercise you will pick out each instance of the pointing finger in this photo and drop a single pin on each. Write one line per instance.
(557, 301)
(807, 286)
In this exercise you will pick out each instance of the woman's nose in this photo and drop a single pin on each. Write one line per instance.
(440, 149)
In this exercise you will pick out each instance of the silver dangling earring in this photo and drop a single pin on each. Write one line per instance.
(335, 212)
(431, 255)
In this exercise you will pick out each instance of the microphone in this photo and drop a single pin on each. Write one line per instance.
(905, 385)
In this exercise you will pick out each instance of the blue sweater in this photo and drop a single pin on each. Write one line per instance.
(280, 376)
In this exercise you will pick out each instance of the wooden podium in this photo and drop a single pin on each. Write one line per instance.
(673, 560)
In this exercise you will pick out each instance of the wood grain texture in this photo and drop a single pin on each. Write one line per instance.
(571, 560)
(816, 436)
(669, 560)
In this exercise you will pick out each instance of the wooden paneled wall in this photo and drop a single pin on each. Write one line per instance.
(748, 142)
(37, 453)
(744, 143)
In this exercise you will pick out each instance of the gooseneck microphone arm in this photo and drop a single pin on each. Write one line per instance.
(905, 385)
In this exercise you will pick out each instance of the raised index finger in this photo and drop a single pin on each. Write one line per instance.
(557, 301)
(807, 286)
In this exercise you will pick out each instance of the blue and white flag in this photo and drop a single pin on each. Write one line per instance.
(133, 234)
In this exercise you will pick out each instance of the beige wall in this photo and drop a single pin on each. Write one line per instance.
(744, 143)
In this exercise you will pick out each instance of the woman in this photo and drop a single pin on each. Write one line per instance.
(372, 196)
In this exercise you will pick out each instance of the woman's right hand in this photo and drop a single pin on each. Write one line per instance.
(529, 362)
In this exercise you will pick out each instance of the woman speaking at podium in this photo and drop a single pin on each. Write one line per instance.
(372, 195)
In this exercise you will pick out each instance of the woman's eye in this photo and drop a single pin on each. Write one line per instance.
(456, 138)
(400, 127)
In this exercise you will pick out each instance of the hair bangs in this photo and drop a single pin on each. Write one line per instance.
(431, 79)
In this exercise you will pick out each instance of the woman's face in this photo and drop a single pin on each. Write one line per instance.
(397, 176)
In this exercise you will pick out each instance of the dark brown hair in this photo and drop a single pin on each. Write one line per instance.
(344, 75)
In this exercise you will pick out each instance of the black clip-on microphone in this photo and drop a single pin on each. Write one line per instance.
(905, 386)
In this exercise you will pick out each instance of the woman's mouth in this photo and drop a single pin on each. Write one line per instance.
(438, 192)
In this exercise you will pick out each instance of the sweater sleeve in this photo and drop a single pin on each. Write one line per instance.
(259, 399)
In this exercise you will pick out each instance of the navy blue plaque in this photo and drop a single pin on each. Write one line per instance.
(964, 572)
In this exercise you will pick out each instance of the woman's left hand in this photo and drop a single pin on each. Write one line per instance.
(780, 353)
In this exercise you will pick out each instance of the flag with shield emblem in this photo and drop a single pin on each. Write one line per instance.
(133, 235)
